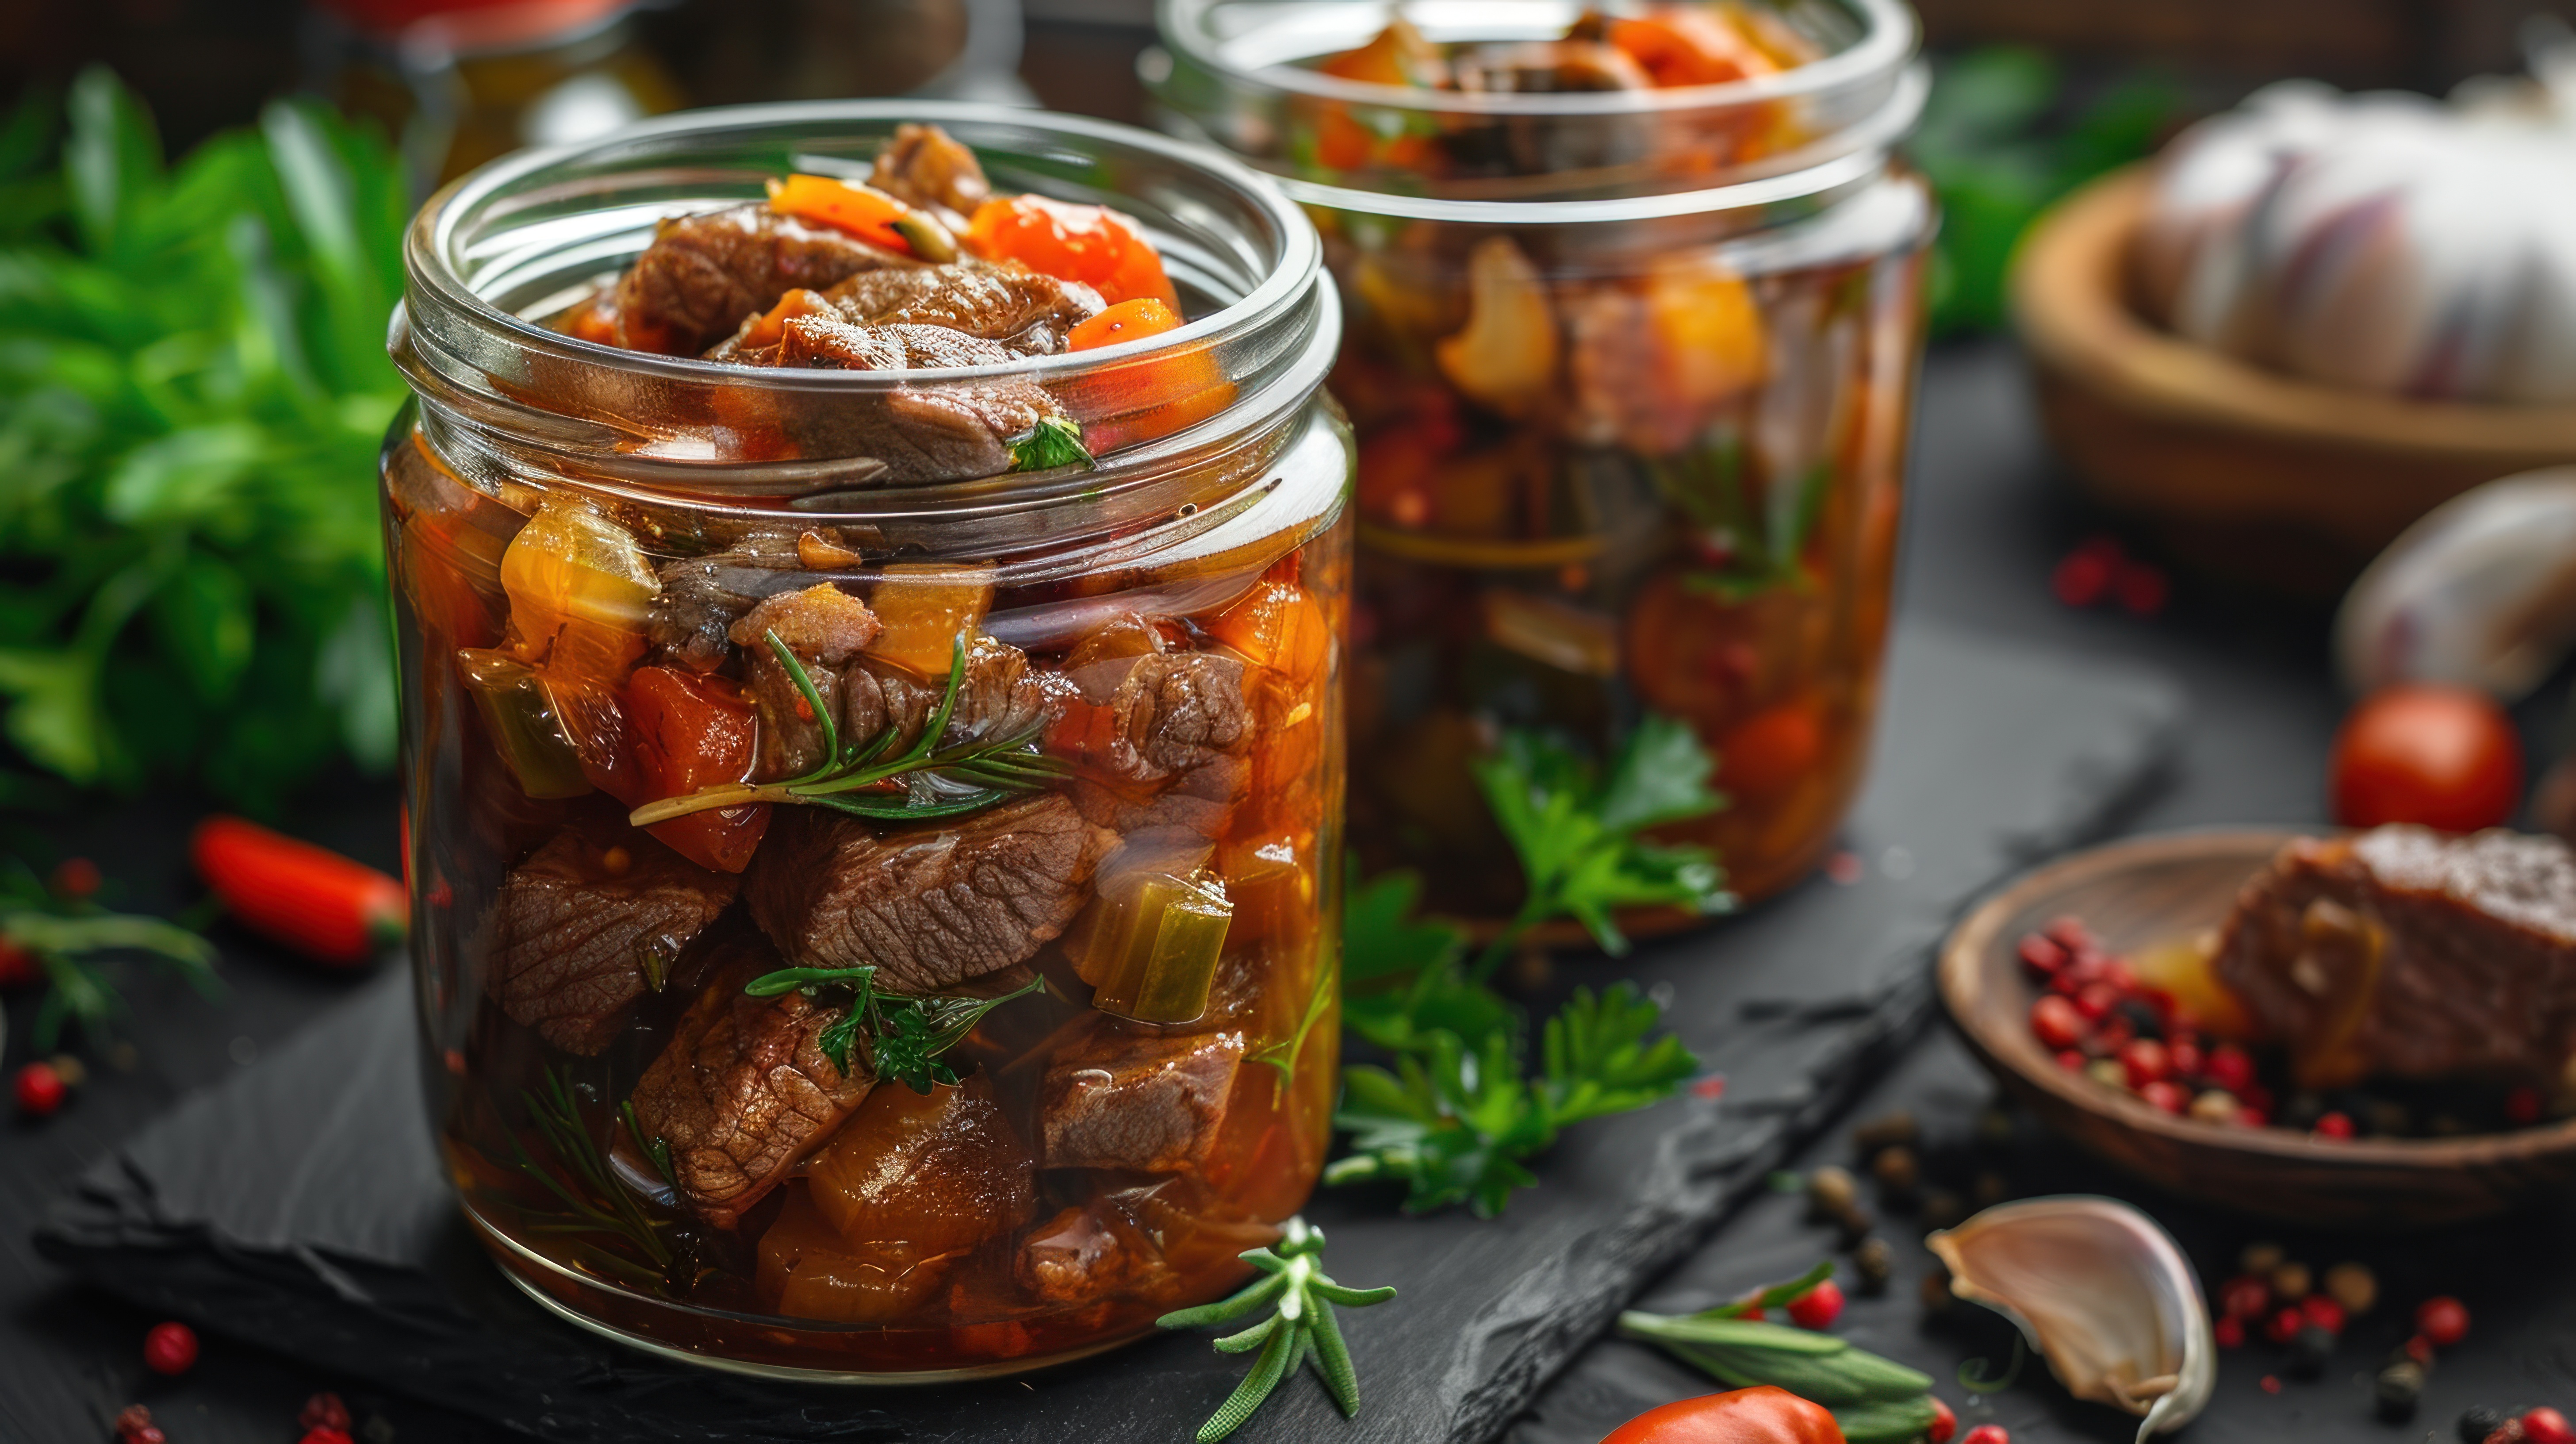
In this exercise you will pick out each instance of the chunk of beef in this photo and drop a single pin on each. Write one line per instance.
(2406, 952)
(823, 627)
(934, 1172)
(744, 1088)
(1086, 1254)
(1126, 1098)
(1197, 802)
(589, 923)
(704, 273)
(927, 167)
(951, 431)
(1000, 696)
(1030, 314)
(930, 905)
(1159, 714)
(702, 597)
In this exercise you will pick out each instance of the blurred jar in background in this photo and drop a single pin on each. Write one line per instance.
(456, 83)
(735, 52)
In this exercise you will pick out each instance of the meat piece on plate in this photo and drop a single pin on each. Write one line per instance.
(703, 596)
(927, 167)
(744, 1088)
(1000, 696)
(1137, 1100)
(704, 273)
(2408, 952)
(1151, 716)
(1026, 311)
(823, 627)
(950, 431)
(934, 1172)
(592, 921)
(931, 905)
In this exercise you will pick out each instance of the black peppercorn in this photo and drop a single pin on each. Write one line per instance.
(1893, 1130)
(2397, 1390)
(1875, 1262)
(2478, 1421)
(2309, 1350)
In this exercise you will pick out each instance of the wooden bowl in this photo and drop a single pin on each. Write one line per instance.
(2287, 482)
(2150, 890)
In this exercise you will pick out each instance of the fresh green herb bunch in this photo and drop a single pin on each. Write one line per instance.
(193, 389)
(906, 1035)
(63, 937)
(1301, 1331)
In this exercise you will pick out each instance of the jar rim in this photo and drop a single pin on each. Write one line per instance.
(432, 243)
(1886, 43)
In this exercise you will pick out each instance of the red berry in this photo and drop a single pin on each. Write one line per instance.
(2072, 1060)
(2166, 1095)
(2420, 1349)
(325, 1436)
(2117, 974)
(134, 1426)
(2250, 1116)
(2443, 1319)
(1944, 1424)
(75, 878)
(2080, 580)
(324, 1411)
(2146, 1061)
(2522, 1106)
(2271, 1384)
(2546, 1426)
(1987, 1434)
(2044, 953)
(2244, 1296)
(2323, 1312)
(2229, 1331)
(2227, 1067)
(170, 1348)
(2186, 1059)
(1818, 1307)
(2097, 999)
(2335, 1125)
(2114, 1034)
(40, 1090)
(2284, 1325)
(2069, 932)
(2056, 1021)
(2142, 589)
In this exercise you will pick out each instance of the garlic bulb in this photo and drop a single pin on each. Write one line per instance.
(2102, 1294)
(2481, 592)
(2382, 242)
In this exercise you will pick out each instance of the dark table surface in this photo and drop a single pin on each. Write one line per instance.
(1990, 515)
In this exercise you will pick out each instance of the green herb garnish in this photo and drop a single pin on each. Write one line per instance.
(556, 1114)
(1301, 1331)
(1875, 1400)
(1055, 441)
(924, 781)
(906, 1035)
(66, 936)
(1578, 834)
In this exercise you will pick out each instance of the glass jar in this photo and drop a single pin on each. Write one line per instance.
(1632, 373)
(1126, 831)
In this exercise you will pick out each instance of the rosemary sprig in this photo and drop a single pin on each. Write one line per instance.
(926, 780)
(65, 934)
(906, 1035)
(558, 1120)
(1875, 1400)
(1301, 1332)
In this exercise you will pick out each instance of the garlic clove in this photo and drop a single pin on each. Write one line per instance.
(2480, 592)
(2101, 1292)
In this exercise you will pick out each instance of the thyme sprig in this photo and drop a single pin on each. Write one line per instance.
(1302, 1331)
(906, 1034)
(925, 780)
(557, 1115)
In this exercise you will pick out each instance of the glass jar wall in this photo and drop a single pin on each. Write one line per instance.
(874, 917)
(1632, 371)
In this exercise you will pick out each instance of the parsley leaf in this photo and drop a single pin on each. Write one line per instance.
(906, 1035)
(1401, 976)
(1598, 1060)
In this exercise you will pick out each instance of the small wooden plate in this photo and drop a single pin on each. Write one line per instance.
(2143, 891)
(2284, 481)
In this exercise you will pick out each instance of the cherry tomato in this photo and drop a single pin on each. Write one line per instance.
(1818, 1307)
(2445, 757)
(1763, 1415)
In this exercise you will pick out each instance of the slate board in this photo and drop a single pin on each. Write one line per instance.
(2517, 1276)
(299, 1205)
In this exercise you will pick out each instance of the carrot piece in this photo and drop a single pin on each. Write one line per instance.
(1095, 245)
(1126, 321)
(330, 908)
(842, 206)
(1680, 45)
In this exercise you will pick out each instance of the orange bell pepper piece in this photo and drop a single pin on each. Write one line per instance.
(1095, 245)
(1684, 45)
(842, 206)
(695, 731)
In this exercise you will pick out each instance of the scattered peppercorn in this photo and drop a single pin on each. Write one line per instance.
(2284, 1325)
(2477, 1422)
(2510, 1432)
(2292, 1281)
(69, 1069)
(2229, 1331)
(2546, 1426)
(323, 1411)
(2323, 1312)
(170, 1348)
(2165, 1095)
(2420, 1349)
(326, 1436)
(1818, 1307)
(134, 1426)
(2261, 1258)
(2397, 1389)
(2244, 1296)
(1936, 1292)
(1875, 1262)
(2354, 1286)
(2442, 1319)
(1943, 1208)
(2107, 1073)
(2270, 1384)
(1887, 1131)
(1831, 1192)
(2216, 1105)
(2337, 1126)
(40, 1090)
(1895, 1170)
(2054, 1019)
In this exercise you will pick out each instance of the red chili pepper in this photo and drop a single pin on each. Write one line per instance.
(328, 907)
(1759, 1415)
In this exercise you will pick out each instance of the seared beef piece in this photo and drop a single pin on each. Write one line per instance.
(823, 627)
(590, 922)
(702, 597)
(2410, 953)
(744, 1089)
(999, 697)
(924, 166)
(1129, 1098)
(949, 432)
(1169, 712)
(1198, 801)
(1028, 313)
(1086, 1254)
(931, 905)
(704, 273)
